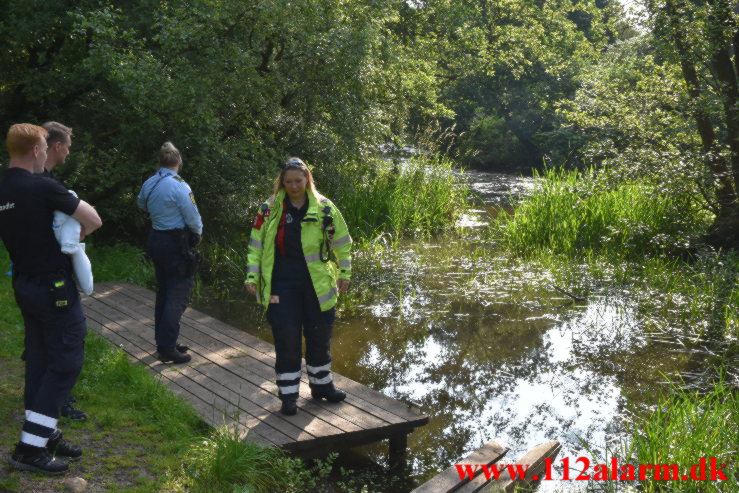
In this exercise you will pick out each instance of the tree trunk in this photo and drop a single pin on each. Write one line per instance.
(724, 232)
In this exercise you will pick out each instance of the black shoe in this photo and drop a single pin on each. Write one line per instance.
(182, 348)
(167, 355)
(37, 459)
(331, 394)
(71, 413)
(289, 407)
(62, 448)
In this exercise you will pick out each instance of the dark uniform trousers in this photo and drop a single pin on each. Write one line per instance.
(175, 275)
(54, 348)
(298, 311)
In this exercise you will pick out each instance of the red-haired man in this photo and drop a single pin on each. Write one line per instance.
(46, 295)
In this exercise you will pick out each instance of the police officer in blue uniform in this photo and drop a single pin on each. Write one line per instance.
(46, 295)
(176, 230)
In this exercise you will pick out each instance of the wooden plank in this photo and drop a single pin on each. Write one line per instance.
(348, 419)
(261, 404)
(534, 458)
(448, 480)
(205, 409)
(370, 400)
(390, 405)
(119, 335)
(307, 423)
(205, 390)
(231, 379)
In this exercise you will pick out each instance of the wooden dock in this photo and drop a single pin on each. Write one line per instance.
(230, 380)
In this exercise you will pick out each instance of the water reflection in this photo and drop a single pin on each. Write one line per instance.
(486, 346)
(487, 351)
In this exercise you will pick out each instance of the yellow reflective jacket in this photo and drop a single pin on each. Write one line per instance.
(323, 274)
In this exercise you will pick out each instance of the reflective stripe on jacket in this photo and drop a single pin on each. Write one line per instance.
(323, 275)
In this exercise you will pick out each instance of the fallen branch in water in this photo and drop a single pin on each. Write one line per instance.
(574, 297)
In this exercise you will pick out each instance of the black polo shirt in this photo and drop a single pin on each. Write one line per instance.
(289, 258)
(27, 205)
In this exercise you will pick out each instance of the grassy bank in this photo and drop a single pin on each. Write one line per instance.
(140, 437)
(632, 236)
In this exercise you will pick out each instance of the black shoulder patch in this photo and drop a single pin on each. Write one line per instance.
(179, 179)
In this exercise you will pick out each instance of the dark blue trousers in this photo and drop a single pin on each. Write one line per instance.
(296, 315)
(175, 277)
(54, 349)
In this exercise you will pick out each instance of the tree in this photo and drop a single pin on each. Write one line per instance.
(503, 65)
(237, 85)
(703, 38)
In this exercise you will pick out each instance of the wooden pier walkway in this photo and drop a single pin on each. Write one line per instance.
(230, 380)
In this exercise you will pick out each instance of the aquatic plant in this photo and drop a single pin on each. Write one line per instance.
(571, 212)
(685, 427)
(420, 196)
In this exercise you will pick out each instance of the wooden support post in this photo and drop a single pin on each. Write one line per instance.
(397, 453)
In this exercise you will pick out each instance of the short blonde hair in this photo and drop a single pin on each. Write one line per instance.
(22, 137)
(169, 156)
(298, 164)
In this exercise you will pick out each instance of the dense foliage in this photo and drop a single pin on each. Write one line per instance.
(664, 106)
(237, 85)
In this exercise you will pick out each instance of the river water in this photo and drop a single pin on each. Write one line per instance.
(490, 348)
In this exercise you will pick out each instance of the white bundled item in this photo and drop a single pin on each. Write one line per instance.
(67, 231)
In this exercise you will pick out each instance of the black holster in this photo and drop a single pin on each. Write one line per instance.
(192, 257)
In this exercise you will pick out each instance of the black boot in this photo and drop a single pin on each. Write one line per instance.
(37, 459)
(181, 348)
(62, 448)
(289, 406)
(69, 412)
(331, 394)
(167, 355)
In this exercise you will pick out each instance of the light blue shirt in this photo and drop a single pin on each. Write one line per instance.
(170, 202)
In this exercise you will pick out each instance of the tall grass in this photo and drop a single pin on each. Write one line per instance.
(121, 262)
(222, 462)
(684, 427)
(569, 213)
(420, 196)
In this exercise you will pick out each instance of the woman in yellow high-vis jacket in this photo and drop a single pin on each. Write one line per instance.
(299, 261)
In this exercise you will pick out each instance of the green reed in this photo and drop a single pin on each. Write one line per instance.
(422, 195)
(571, 212)
(682, 428)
